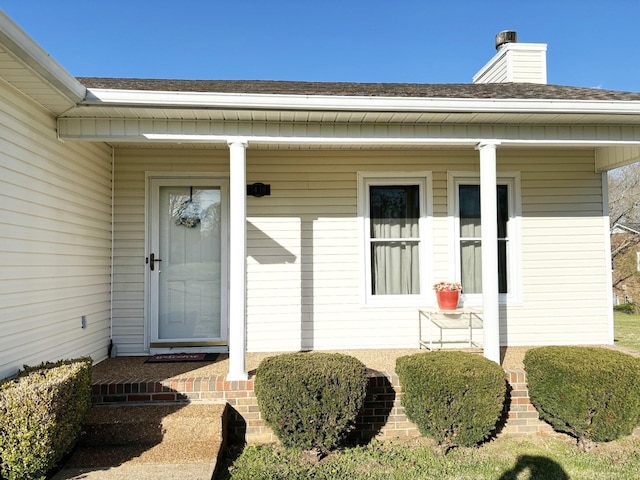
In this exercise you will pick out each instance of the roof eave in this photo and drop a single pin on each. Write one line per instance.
(244, 101)
(27, 51)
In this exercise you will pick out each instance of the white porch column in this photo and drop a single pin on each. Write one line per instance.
(489, 238)
(237, 260)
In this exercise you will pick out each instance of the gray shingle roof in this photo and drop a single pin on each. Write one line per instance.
(447, 90)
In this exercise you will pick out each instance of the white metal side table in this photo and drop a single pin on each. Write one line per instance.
(460, 319)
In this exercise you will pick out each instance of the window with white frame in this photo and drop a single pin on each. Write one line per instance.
(468, 243)
(394, 212)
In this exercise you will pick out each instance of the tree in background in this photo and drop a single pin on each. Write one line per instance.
(624, 209)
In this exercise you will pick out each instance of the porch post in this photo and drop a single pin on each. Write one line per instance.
(489, 238)
(237, 259)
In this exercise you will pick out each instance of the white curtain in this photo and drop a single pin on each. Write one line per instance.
(471, 266)
(470, 234)
(395, 268)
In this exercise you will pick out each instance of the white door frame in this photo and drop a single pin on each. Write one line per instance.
(153, 181)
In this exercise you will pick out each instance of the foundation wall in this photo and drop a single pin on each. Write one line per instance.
(382, 415)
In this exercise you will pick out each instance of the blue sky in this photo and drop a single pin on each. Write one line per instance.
(590, 43)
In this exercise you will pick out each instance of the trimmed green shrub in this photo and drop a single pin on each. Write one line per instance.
(628, 308)
(41, 416)
(590, 393)
(456, 398)
(311, 400)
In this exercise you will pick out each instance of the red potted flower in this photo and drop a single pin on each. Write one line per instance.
(447, 295)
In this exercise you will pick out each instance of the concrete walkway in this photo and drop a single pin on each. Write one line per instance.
(158, 471)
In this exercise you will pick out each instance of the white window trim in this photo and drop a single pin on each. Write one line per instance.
(514, 230)
(425, 226)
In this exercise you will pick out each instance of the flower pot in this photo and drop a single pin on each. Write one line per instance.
(448, 300)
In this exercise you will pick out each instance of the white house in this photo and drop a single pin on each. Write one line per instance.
(125, 212)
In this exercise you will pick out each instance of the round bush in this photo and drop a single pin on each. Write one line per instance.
(311, 400)
(588, 392)
(456, 398)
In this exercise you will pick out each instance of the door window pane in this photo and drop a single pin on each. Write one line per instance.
(189, 303)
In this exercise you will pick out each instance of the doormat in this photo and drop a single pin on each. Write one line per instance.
(182, 357)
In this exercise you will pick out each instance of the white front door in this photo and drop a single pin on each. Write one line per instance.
(187, 263)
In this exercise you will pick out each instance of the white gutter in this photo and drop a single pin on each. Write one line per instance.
(443, 141)
(243, 101)
(22, 46)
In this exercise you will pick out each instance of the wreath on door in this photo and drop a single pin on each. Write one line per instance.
(188, 213)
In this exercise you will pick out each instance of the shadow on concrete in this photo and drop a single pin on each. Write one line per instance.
(148, 441)
(116, 434)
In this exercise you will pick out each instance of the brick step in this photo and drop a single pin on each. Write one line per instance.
(382, 416)
(209, 389)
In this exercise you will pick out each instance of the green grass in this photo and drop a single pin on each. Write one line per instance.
(627, 330)
(503, 459)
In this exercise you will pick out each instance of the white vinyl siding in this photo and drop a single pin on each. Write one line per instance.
(564, 252)
(499, 73)
(55, 240)
(304, 280)
(129, 268)
(516, 62)
(528, 66)
(310, 223)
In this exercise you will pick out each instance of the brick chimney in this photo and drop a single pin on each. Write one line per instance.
(515, 62)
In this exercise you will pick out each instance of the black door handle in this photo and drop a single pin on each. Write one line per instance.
(153, 260)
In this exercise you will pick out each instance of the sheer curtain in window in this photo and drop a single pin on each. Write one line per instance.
(470, 237)
(394, 212)
(470, 234)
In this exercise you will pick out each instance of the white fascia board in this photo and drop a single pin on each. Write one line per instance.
(247, 101)
(23, 47)
(354, 141)
(262, 139)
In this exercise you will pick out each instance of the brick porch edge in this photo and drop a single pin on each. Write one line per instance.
(382, 415)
